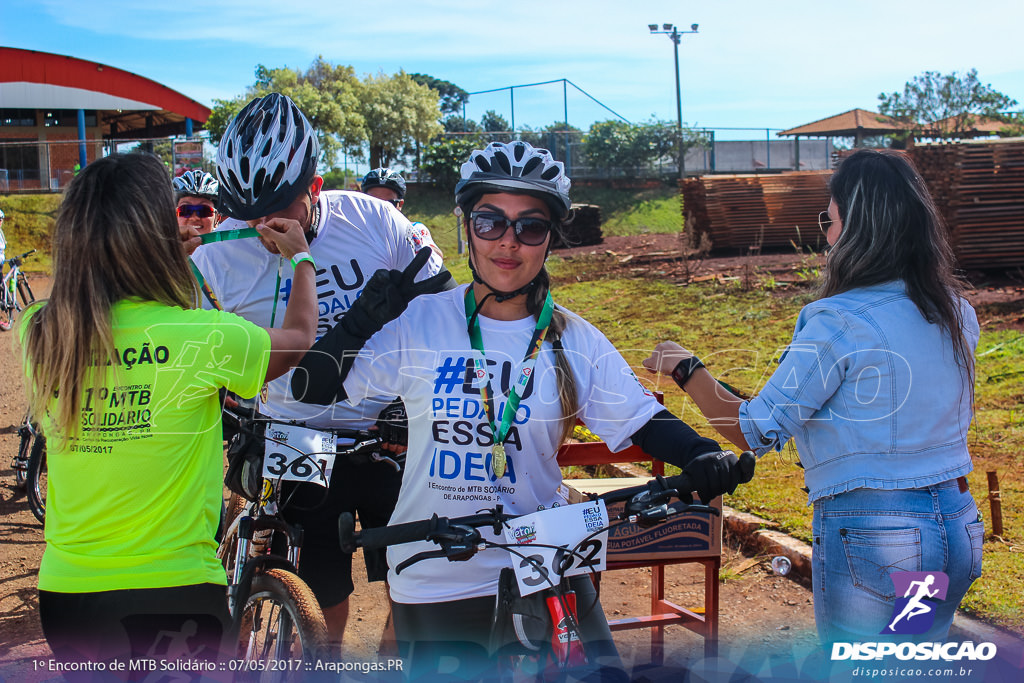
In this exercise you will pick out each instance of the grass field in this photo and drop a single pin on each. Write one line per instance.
(739, 333)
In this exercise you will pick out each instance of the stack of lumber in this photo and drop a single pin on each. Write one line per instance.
(979, 188)
(753, 211)
(584, 229)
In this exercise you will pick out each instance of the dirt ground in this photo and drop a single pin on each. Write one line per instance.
(761, 613)
(757, 608)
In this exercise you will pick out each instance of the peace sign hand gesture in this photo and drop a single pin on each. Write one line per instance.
(388, 293)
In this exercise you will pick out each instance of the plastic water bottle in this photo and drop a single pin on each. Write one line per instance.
(781, 565)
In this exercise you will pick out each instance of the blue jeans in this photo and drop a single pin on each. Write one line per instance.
(862, 536)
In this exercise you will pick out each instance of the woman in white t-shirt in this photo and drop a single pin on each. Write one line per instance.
(561, 368)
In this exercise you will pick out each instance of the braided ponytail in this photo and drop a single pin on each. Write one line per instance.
(568, 395)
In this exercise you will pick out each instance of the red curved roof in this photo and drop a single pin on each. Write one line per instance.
(44, 68)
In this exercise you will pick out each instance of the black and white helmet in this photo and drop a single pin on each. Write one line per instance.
(384, 177)
(267, 156)
(195, 183)
(517, 167)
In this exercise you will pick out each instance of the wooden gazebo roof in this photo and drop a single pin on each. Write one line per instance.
(856, 123)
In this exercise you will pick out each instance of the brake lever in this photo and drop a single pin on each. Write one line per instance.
(681, 506)
(458, 543)
(425, 555)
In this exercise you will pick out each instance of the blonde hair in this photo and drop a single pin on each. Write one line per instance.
(116, 237)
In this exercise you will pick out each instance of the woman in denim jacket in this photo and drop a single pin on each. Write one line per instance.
(876, 389)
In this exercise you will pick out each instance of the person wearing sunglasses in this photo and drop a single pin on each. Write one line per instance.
(196, 193)
(876, 390)
(267, 168)
(457, 358)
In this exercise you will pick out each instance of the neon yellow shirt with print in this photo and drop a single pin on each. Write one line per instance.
(134, 498)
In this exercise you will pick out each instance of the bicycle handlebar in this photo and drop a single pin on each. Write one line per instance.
(651, 498)
(17, 259)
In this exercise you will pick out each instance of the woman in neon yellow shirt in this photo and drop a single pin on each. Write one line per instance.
(124, 370)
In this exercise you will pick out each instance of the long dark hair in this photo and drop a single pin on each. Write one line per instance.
(891, 230)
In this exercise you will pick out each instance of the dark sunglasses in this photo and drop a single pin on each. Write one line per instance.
(824, 222)
(491, 226)
(201, 210)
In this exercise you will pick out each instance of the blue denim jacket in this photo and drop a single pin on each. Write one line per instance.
(871, 394)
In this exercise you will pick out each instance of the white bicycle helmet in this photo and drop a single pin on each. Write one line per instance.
(384, 177)
(517, 167)
(196, 183)
(267, 156)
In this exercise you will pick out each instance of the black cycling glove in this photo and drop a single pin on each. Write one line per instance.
(393, 424)
(388, 293)
(711, 470)
(319, 377)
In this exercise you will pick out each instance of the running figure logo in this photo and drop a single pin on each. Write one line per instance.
(914, 613)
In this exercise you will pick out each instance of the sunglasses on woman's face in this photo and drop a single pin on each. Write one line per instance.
(824, 222)
(201, 210)
(490, 226)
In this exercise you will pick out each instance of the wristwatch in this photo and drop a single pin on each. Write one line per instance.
(685, 369)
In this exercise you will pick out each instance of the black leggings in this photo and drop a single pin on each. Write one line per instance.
(455, 637)
(180, 623)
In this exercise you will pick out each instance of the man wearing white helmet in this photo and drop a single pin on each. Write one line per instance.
(266, 165)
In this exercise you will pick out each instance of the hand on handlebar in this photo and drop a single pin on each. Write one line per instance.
(713, 474)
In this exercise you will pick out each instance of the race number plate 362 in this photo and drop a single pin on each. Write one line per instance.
(542, 534)
(299, 454)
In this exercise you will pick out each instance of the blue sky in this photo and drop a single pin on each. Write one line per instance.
(753, 64)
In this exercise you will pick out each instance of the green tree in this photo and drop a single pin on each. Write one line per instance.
(945, 105)
(452, 97)
(454, 123)
(443, 159)
(631, 147)
(493, 122)
(327, 94)
(399, 114)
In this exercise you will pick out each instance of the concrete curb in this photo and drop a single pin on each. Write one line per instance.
(751, 531)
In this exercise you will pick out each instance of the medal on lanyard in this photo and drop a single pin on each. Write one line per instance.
(499, 432)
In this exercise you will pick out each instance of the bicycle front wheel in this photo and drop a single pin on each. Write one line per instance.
(36, 475)
(27, 297)
(21, 460)
(281, 621)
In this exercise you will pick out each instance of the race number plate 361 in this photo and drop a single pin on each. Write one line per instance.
(545, 539)
(299, 454)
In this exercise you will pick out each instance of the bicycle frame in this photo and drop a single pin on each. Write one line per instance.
(460, 538)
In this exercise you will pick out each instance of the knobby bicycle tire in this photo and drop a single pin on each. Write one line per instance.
(281, 621)
(21, 461)
(6, 314)
(25, 291)
(37, 478)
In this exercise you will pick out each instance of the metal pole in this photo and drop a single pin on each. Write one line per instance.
(83, 159)
(768, 149)
(512, 101)
(565, 121)
(679, 103)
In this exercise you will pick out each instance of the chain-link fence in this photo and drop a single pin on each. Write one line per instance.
(49, 165)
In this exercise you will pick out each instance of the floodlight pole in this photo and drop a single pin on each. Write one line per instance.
(675, 35)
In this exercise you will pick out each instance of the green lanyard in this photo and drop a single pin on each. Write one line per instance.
(223, 236)
(500, 432)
